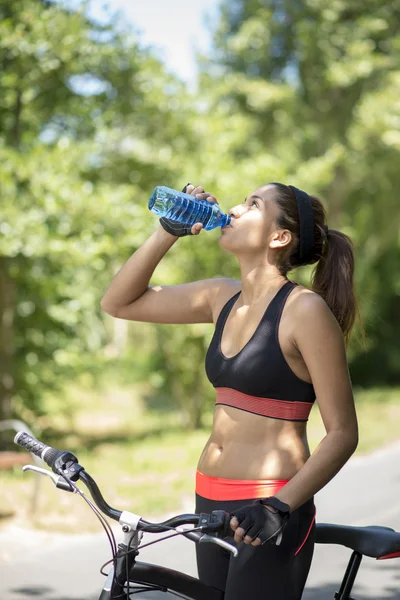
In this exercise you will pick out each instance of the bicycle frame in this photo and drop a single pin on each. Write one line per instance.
(349, 577)
(155, 577)
(179, 584)
(126, 567)
(150, 576)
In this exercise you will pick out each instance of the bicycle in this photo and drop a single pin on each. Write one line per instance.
(128, 577)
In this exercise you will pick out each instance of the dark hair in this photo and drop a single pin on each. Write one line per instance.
(333, 276)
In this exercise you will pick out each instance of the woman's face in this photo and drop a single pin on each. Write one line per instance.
(252, 223)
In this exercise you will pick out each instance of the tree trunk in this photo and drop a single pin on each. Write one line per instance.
(7, 306)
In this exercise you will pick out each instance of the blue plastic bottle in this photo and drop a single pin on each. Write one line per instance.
(187, 209)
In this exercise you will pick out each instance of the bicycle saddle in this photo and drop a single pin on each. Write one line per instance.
(373, 540)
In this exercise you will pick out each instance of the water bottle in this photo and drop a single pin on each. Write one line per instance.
(187, 209)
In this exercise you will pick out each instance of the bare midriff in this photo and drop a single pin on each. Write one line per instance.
(244, 445)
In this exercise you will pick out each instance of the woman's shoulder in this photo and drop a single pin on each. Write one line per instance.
(304, 296)
(306, 305)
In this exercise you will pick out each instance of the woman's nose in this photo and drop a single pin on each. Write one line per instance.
(234, 212)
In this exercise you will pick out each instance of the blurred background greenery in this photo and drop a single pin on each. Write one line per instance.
(90, 121)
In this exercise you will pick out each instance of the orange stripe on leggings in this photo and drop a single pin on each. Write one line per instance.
(266, 407)
(308, 533)
(218, 488)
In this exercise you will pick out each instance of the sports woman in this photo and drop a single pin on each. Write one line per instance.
(277, 347)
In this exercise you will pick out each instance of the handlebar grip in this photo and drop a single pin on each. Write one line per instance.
(46, 453)
(30, 443)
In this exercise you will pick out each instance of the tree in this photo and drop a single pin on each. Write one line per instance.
(86, 123)
(317, 89)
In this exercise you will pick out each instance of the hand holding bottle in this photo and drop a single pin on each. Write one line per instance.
(182, 225)
(199, 193)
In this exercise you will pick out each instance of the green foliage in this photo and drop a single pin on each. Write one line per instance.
(90, 122)
(318, 89)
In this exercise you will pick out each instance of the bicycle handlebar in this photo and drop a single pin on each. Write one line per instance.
(46, 453)
(65, 463)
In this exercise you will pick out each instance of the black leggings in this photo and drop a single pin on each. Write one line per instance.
(266, 572)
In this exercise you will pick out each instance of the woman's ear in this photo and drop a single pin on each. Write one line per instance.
(280, 238)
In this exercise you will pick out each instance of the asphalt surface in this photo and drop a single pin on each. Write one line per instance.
(365, 492)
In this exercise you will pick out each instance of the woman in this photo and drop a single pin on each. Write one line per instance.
(277, 346)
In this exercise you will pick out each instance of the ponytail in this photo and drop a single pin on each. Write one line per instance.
(333, 276)
(333, 279)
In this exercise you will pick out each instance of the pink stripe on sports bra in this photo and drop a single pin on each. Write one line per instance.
(266, 407)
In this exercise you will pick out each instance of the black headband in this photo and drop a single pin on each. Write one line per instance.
(306, 223)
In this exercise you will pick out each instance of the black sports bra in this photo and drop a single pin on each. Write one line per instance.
(258, 379)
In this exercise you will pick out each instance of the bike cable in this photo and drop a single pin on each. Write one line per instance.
(111, 538)
(167, 537)
(106, 526)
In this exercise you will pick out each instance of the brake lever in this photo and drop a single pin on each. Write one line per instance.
(58, 481)
(196, 536)
(214, 540)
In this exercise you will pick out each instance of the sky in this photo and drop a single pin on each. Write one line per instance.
(175, 27)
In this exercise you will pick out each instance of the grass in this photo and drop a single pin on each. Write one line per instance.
(145, 461)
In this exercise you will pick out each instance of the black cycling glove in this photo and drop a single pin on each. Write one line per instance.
(174, 227)
(259, 522)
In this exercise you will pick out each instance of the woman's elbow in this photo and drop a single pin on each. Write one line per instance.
(347, 440)
(351, 441)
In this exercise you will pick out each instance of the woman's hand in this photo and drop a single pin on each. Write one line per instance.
(180, 229)
(199, 193)
(257, 523)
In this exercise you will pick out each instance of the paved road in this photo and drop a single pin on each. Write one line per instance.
(68, 569)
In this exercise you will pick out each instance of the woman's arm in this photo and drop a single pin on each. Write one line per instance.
(320, 341)
(130, 297)
(133, 278)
